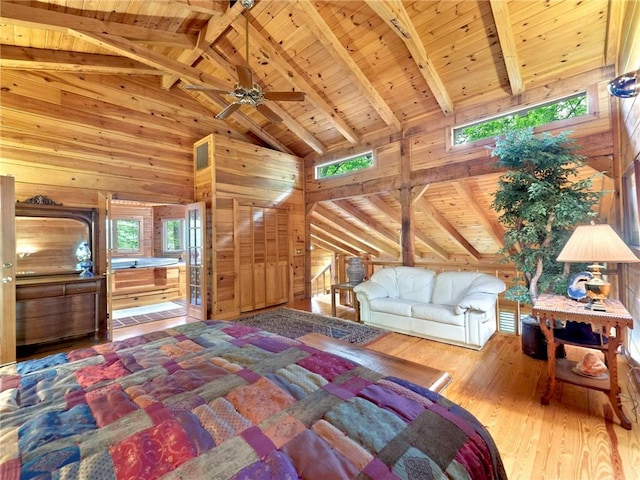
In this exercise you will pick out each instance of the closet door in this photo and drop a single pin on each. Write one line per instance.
(263, 257)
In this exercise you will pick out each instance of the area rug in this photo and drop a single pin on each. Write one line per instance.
(293, 323)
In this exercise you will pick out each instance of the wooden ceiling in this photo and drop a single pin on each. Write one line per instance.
(370, 69)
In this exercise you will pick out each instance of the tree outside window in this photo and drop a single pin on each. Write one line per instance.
(127, 235)
(173, 235)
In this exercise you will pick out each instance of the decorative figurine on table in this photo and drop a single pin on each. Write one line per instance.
(83, 255)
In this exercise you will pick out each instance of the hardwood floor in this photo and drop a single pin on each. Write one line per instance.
(501, 386)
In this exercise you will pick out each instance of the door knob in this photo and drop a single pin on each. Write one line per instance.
(7, 279)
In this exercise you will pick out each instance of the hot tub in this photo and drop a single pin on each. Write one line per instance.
(141, 262)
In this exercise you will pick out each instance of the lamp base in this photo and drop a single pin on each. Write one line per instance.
(596, 306)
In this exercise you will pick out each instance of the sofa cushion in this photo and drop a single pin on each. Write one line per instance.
(415, 283)
(437, 313)
(395, 306)
(387, 278)
(451, 287)
(486, 284)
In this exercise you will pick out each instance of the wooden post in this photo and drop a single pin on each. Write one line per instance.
(407, 235)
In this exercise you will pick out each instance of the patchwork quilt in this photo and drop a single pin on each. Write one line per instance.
(218, 400)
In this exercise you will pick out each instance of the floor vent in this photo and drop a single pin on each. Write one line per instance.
(507, 322)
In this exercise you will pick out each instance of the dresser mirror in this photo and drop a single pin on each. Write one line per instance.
(48, 235)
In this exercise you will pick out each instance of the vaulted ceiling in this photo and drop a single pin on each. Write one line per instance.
(370, 69)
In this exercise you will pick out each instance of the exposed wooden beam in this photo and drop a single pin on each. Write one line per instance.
(493, 229)
(211, 32)
(333, 241)
(443, 224)
(42, 60)
(23, 15)
(396, 17)
(507, 44)
(393, 215)
(331, 245)
(299, 82)
(614, 27)
(376, 229)
(335, 49)
(348, 228)
(202, 6)
(345, 236)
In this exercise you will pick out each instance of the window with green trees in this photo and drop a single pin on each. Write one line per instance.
(173, 235)
(568, 107)
(345, 165)
(127, 235)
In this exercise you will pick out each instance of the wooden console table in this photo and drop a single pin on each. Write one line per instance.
(347, 286)
(551, 309)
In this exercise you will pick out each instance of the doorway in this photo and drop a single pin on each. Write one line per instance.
(147, 262)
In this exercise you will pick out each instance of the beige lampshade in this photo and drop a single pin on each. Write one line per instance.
(596, 243)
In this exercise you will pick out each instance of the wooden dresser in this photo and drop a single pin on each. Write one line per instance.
(57, 307)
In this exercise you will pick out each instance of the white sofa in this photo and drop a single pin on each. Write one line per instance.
(451, 307)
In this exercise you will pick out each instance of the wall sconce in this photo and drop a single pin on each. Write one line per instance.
(594, 244)
(626, 85)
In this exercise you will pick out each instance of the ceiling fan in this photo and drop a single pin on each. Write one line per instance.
(246, 92)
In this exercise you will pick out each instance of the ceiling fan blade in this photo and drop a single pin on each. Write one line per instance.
(228, 110)
(285, 96)
(205, 89)
(245, 76)
(268, 113)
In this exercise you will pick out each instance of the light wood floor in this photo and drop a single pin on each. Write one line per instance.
(501, 386)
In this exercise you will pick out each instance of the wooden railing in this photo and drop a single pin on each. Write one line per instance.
(321, 282)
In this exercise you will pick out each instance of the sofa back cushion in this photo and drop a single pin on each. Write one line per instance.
(451, 287)
(415, 283)
(387, 278)
(411, 283)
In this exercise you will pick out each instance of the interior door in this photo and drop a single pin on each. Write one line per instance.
(107, 224)
(196, 262)
(8, 272)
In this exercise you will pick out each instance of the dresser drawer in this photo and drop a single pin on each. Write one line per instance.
(82, 287)
(25, 292)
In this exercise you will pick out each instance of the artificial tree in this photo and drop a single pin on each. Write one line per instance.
(540, 200)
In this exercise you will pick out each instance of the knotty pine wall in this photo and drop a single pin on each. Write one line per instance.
(247, 175)
(628, 118)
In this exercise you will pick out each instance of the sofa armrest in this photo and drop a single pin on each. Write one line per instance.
(370, 290)
(483, 302)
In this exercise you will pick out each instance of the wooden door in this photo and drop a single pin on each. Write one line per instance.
(263, 256)
(196, 262)
(105, 222)
(8, 271)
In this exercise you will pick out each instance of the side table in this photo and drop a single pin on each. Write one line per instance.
(551, 309)
(347, 286)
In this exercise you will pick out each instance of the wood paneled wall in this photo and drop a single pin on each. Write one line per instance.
(244, 174)
(629, 151)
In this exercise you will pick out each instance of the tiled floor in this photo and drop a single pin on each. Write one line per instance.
(148, 313)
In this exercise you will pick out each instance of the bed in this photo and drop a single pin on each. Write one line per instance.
(220, 400)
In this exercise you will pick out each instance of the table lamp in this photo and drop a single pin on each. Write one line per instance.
(596, 243)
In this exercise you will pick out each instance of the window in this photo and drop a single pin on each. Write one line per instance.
(127, 235)
(173, 235)
(345, 165)
(568, 107)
